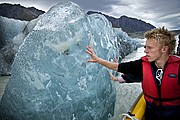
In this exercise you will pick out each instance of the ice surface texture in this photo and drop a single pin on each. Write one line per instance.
(51, 79)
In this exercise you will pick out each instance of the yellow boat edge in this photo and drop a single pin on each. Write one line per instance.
(137, 109)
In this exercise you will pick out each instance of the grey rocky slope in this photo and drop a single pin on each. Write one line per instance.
(16, 11)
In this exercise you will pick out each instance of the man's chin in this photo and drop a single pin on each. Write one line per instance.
(150, 60)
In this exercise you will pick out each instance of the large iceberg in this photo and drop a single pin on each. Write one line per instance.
(51, 79)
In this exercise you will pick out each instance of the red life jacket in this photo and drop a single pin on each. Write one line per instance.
(168, 93)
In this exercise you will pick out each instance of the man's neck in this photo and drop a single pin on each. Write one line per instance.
(160, 64)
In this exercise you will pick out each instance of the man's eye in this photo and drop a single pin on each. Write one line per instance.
(147, 47)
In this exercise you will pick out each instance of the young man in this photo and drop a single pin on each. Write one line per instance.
(159, 73)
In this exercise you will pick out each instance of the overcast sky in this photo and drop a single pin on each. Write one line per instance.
(156, 12)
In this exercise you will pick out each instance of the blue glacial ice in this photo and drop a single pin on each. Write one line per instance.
(51, 79)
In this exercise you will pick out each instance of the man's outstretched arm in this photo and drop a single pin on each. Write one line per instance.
(96, 59)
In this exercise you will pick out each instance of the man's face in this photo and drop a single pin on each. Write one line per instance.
(152, 50)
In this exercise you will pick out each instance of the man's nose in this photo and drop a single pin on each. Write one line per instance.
(145, 50)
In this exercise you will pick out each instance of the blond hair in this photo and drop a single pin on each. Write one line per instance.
(163, 36)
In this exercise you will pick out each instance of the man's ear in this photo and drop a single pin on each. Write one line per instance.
(165, 49)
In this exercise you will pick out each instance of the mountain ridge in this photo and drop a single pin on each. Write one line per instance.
(17, 11)
(127, 24)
